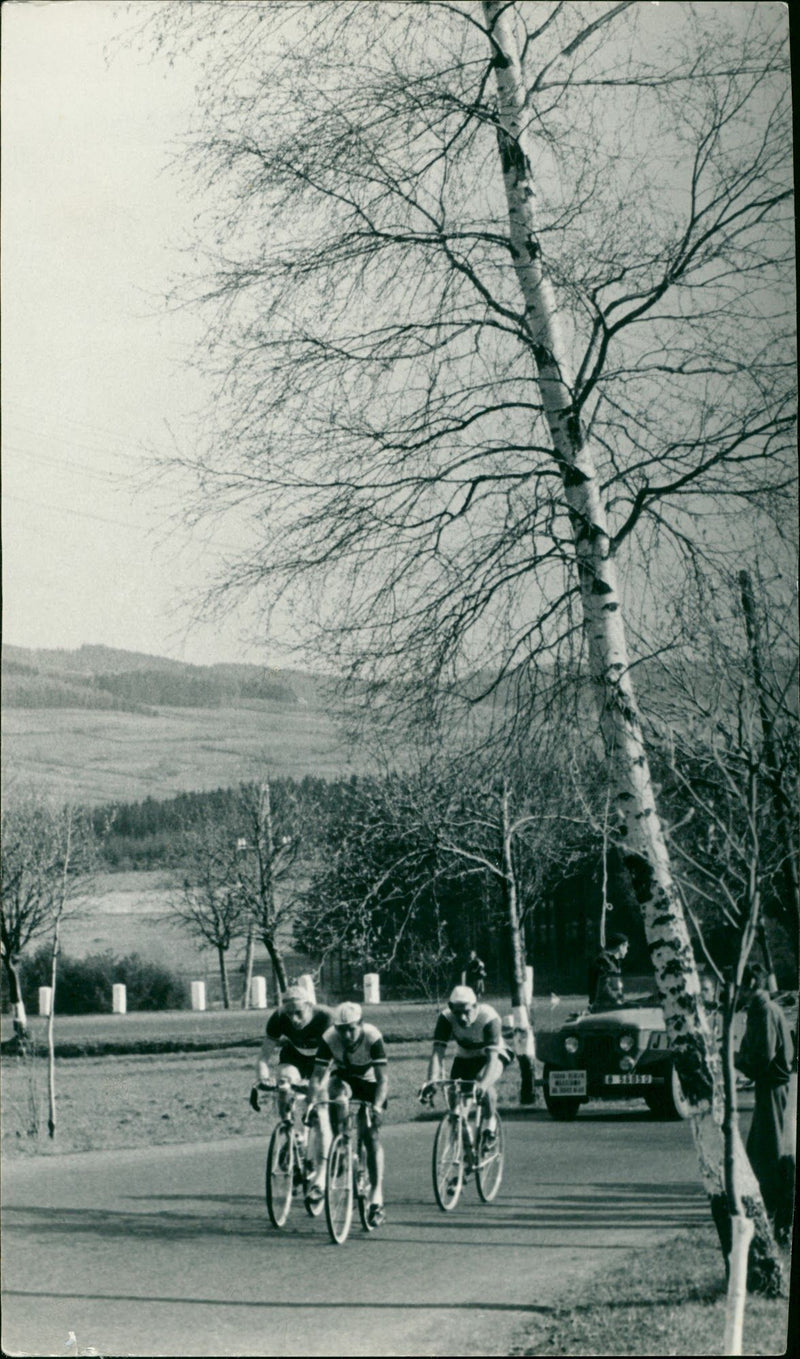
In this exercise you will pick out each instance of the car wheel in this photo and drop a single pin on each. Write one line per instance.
(669, 1101)
(560, 1107)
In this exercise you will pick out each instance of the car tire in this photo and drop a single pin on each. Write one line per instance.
(669, 1101)
(559, 1107)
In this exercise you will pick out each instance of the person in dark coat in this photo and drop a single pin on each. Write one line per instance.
(605, 974)
(475, 973)
(766, 1058)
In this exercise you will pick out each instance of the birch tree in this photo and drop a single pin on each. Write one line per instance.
(482, 278)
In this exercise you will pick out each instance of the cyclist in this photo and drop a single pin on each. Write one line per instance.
(295, 1029)
(352, 1054)
(481, 1055)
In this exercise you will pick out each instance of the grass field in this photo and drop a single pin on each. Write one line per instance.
(98, 756)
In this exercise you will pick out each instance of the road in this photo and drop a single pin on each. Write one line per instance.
(168, 1251)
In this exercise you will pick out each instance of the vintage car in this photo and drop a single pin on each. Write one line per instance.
(611, 1054)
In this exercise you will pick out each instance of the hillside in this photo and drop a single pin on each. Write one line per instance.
(101, 677)
(98, 724)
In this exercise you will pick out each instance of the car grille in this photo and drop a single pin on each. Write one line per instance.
(600, 1050)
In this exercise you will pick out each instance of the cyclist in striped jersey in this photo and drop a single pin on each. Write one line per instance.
(481, 1054)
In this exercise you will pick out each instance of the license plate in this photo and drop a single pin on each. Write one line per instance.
(630, 1079)
(567, 1082)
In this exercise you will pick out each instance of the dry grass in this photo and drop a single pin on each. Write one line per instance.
(669, 1300)
(146, 1100)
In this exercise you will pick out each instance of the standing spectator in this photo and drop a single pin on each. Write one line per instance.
(605, 974)
(766, 1058)
(474, 974)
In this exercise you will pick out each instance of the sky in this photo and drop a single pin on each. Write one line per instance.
(95, 367)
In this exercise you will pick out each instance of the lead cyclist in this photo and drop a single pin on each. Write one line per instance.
(481, 1055)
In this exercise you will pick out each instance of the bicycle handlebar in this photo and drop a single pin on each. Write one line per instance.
(284, 1085)
(463, 1089)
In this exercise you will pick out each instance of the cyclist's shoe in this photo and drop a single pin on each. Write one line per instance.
(376, 1214)
(315, 1193)
(489, 1141)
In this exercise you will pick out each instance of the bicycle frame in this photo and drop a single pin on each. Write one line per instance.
(458, 1148)
(348, 1176)
(290, 1168)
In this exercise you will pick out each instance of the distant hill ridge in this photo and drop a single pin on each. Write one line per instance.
(103, 677)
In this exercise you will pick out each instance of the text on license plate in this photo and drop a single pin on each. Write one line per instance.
(567, 1082)
(630, 1079)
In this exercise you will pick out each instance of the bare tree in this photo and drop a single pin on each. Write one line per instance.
(49, 856)
(74, 861)
(32, 867)
(493, 348)
(209, 902)
(272, 858)
(510, 827)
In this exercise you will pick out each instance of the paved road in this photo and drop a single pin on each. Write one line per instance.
(168, 1251)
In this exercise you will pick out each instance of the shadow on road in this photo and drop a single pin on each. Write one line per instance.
(596, 1208)
(291, 1305)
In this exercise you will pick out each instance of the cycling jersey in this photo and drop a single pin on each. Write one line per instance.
(359, 1061)
(480, 1038)
(298, 1046)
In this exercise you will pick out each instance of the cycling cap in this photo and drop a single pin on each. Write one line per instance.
(295, 995)
(348, 1013)
(463, 995)
(615, 940)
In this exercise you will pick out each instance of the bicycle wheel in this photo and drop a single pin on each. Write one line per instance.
(280, 1174)
(362, 1186)
(489, 1170)
(314, 1206)
(448, 1162)
(339, 1190)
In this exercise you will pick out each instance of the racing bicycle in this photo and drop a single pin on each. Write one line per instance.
(348, 1179)
(464, 1145)
(292, 1158)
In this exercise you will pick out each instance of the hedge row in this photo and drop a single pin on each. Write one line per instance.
(84, 985)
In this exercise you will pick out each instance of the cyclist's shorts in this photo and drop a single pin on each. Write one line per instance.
(302, 1065)
(470, 1068)
(360, 1089)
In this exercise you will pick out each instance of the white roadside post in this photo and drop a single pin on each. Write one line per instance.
(119, 998)
(258, 993)
(198, 995)
(372, 988)
(45, 999)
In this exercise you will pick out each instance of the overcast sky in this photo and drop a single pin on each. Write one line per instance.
(93, 360)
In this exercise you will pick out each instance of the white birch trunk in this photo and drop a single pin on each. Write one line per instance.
(737, 1285)
(638, 828)
(524, 1044)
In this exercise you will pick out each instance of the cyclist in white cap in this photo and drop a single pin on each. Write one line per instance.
(481, 1055)
(351, 1059)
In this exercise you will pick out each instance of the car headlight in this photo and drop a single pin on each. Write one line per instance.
(627, 1041)
(626, 1063)
(571, 1044)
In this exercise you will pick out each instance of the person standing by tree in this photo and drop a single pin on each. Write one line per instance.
(605, 974)
(766, 1058)
(475, 973)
